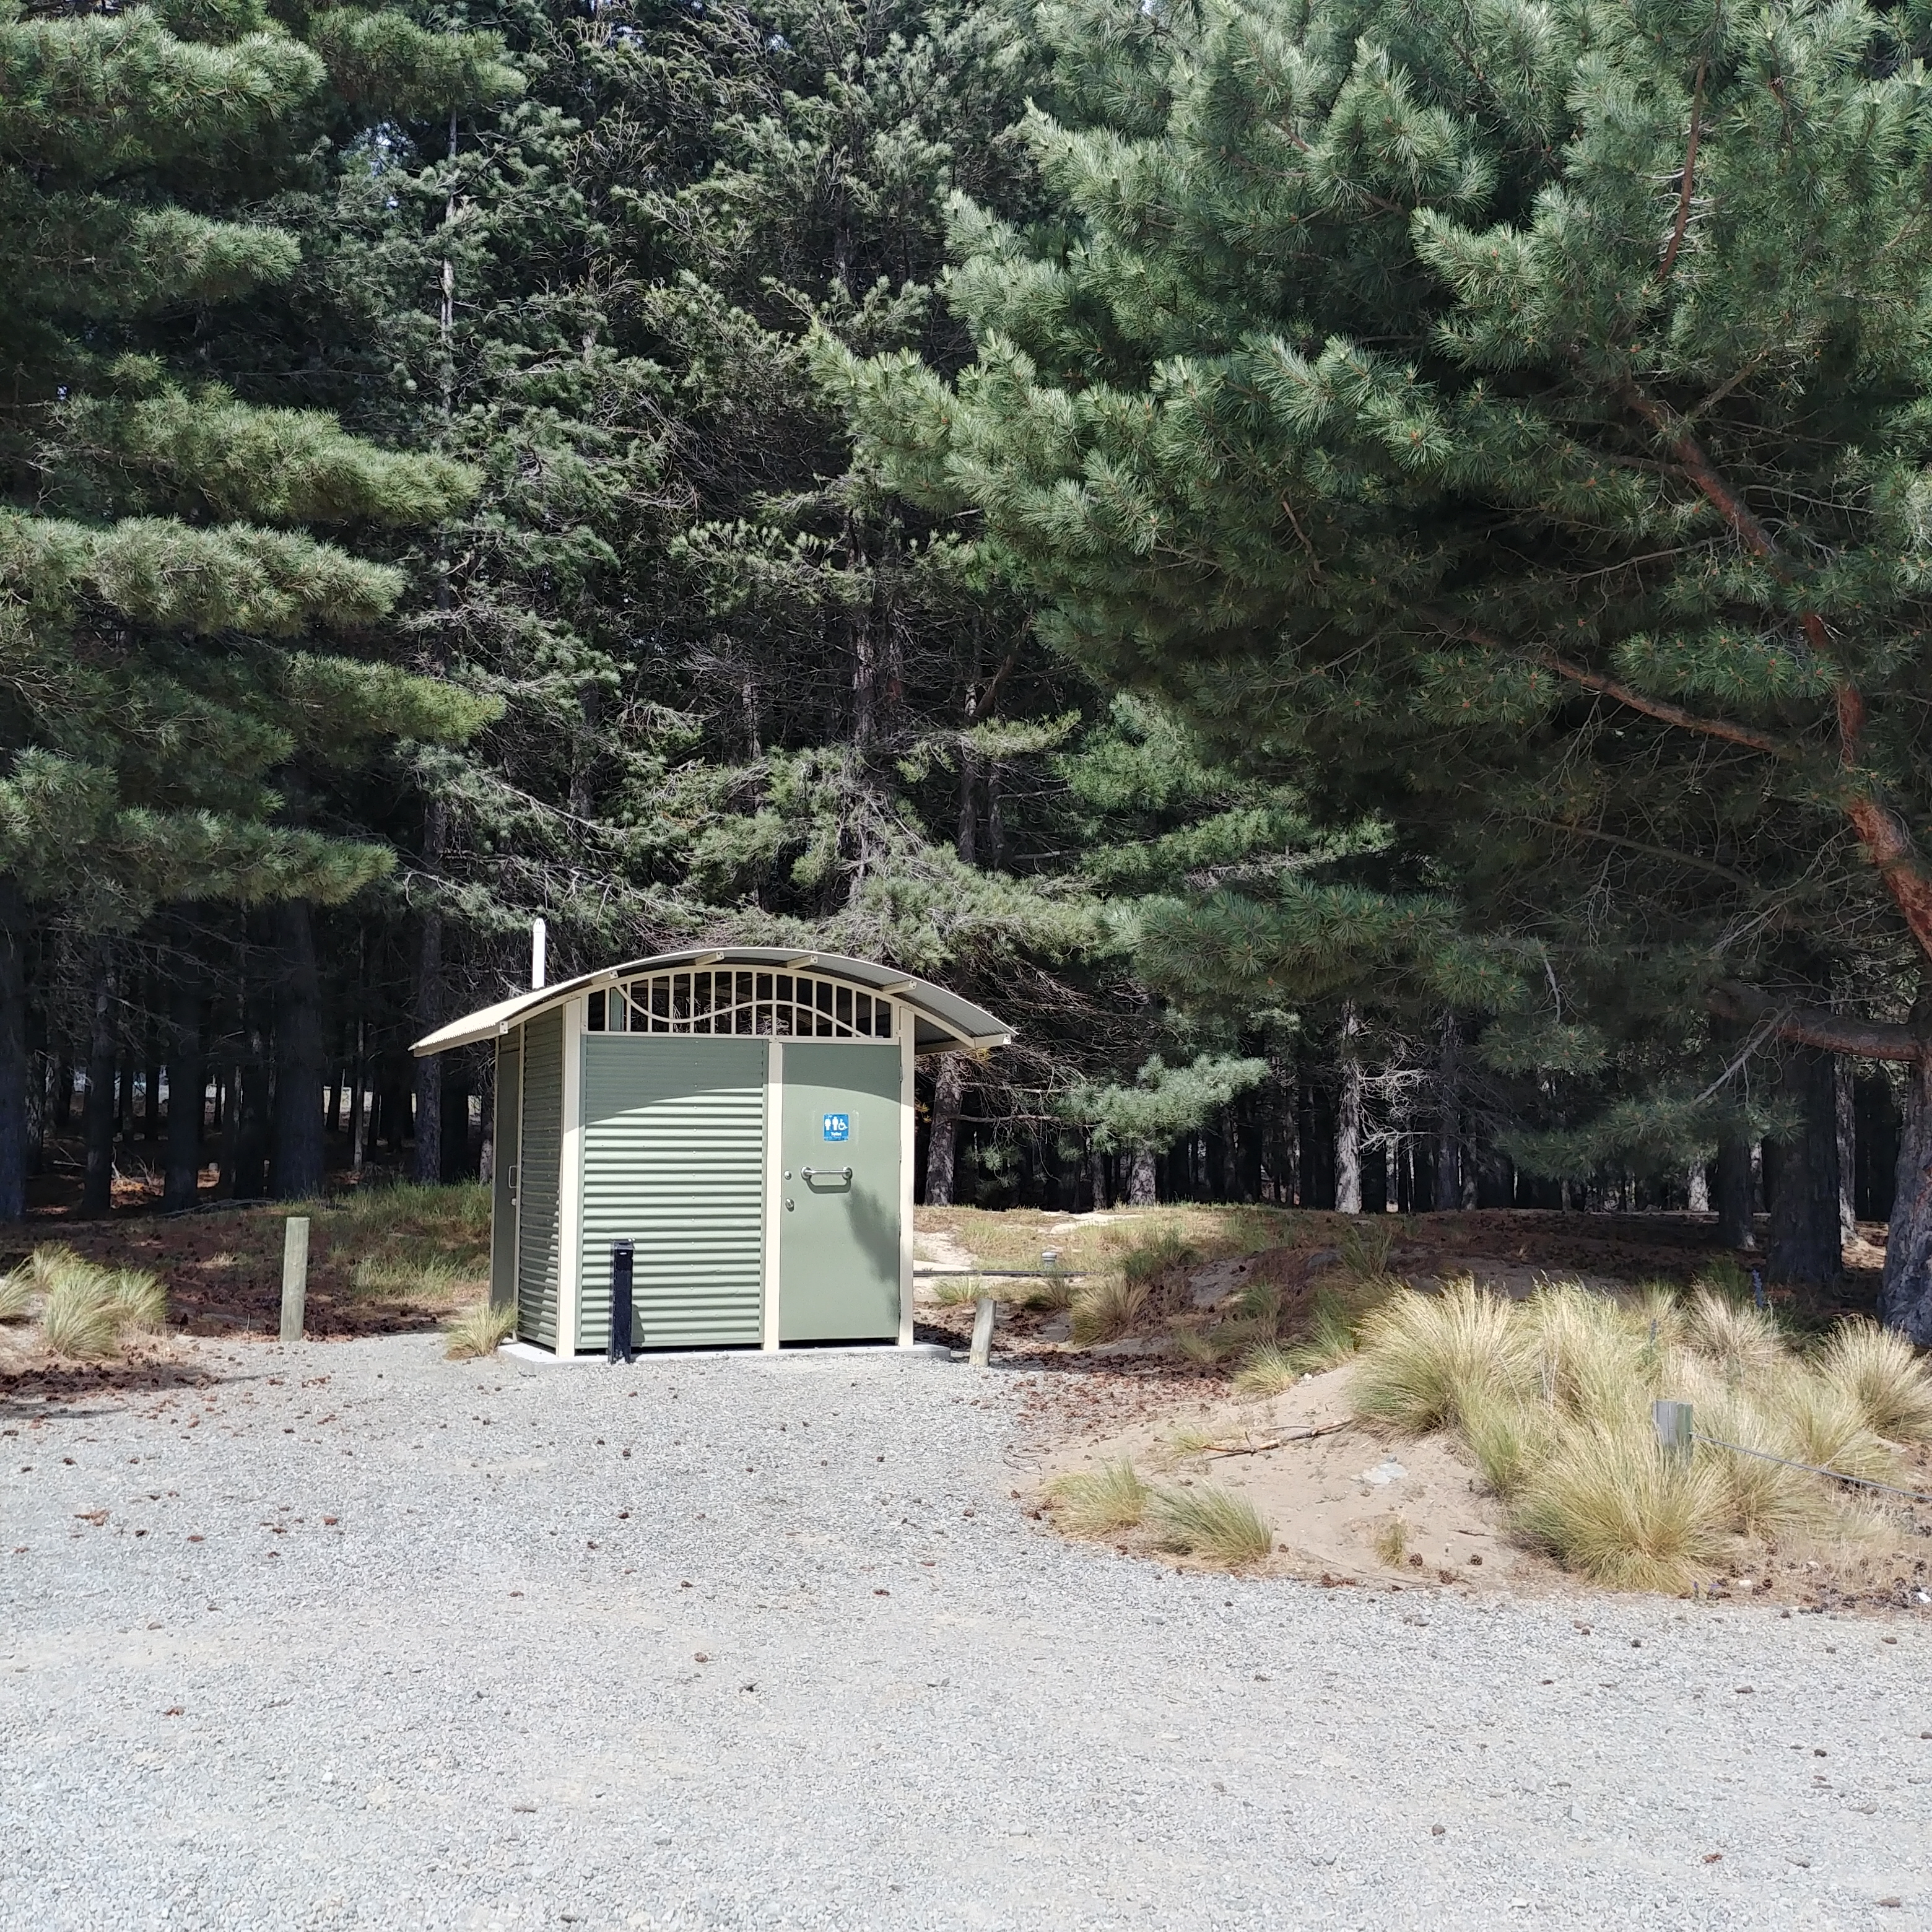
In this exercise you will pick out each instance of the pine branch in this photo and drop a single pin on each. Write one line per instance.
(1811, 1026)
(1665, 712)
(1880, 830)
(1690, 176)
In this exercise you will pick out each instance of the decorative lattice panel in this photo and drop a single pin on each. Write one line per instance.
(738, 999)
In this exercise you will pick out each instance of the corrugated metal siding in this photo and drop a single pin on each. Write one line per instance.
(674, 1160)
(504, 1133)
(540, 1161)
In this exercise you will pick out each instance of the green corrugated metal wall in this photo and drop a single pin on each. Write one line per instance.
(674, 1160)
(539, 1164)
(506, 1133)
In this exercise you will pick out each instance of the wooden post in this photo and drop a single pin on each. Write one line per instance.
(295, 1276)
(982, 1332)
(1673, 1420)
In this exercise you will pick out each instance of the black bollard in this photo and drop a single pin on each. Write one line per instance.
(622, 1259)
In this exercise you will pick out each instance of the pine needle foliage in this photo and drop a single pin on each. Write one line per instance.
(1516, 421)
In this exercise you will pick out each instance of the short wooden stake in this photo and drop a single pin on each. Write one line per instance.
(982, 1332)
(1673, 1426)
(295, 1276)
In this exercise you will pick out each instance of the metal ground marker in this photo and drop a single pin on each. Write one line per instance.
(1673, 1427)
(295, 1276)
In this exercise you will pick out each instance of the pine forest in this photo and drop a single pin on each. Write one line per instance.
(1359, 573)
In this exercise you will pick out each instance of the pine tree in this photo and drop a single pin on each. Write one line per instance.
(1515, 422)
(184, 660)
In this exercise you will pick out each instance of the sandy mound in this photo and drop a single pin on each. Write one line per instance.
(1328, 1484)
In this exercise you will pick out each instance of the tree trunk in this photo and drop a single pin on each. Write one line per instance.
(1905, 1298)
(1448, 1113)
(97, 1117)
(942, 1146)
(1848, 1151)
(252, 1118)
(1143, 1189)
(429, 1013)
(300, 1064)
(1348, 1120)
(1804, 1244)
(187, 1078)
(1697, 1189)
(1096, 1168)
(13, 1052)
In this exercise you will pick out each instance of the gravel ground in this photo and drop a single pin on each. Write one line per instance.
(368, 1639)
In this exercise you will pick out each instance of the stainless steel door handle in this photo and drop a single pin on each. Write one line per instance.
(843, 1173)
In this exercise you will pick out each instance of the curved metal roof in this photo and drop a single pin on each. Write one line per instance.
(942, 1021)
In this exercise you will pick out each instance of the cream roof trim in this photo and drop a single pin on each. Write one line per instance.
(943, 1020)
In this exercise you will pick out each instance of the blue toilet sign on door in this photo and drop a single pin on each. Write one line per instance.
(839, 1127)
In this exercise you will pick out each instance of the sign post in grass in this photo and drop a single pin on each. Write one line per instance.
(1673, 1427)
(295, 1276)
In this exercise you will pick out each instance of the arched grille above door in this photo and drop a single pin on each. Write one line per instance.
(797, 1005)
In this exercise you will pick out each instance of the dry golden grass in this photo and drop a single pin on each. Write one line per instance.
(80, 1321)
(18, 1294)
(478, 1330)
(1184, 1440)
(1553, 1397)
(1110, 1307)
(1420, 1353)
(1331, 1339)
(1608, 1504)
(88, 1308)
(1212, 1523)
(1741, 1339)
(1098, 1502)
(1507, 1436)
(140, 1297)
(1889, 1382)
(1267, 1370)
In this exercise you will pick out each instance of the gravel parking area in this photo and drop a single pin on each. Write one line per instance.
(349, 1635)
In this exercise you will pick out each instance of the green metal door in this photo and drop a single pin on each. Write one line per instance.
(839, 1219)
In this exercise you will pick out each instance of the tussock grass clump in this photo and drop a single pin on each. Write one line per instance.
(1742, 1340)
(1508, 1437)
(17, 1294)
(1364, 1249)
(87, 1309)
(1212, 1523)
(140, 1297)
(1115, 1305)
(951, 1292)
(1155, 1253)
(1421, 1353)
(1552, 1397)
(478, 1330)
(1098, 1502)
(1607, 1503)
(1269, 1370)
(1880, 1371)
(1186, 1439)
(1331, 1339)
(82, 1319)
